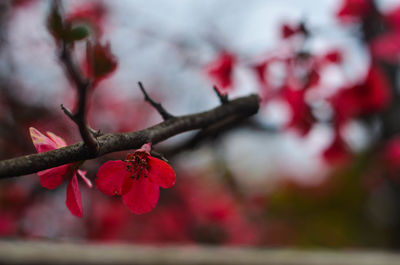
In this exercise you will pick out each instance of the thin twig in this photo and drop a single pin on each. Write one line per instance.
(82, 85)
(164, 114)
(67, 112)
(222, 98)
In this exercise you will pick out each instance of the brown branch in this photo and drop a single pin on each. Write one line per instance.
(244, 106)
(60, 28)
(164, 114)
(82, 86)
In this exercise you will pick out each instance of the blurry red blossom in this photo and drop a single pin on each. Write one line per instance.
(216, 216)
(220, 71)
(313, 79)
(391, 153)
(108, 220)
(8, 224)
(371, 95)
(100, 62)
(337, 151)
(351, 10)
(288, 31)
(53, 177)
(21, 3)
(137, 179)
(386, 46)
(261, 72)
(333, 56)
(393, 18)
(302, 118)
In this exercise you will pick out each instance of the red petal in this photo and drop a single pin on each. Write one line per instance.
(41, 142)
(74, 201)
(386, 46)
(392, 153)
(221, 70)
(337, 152)
(113, 178)
(53, 177)
(142, 197)
(60, 142)
(353, 9)
(161, 173)
(87, 181)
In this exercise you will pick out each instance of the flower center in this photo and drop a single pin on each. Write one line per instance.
(138, 164)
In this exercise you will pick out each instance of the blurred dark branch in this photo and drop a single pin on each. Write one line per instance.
(82, 85)
(214, 132)
(164, 114)
(243, 107)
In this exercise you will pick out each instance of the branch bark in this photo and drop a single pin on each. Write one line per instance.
(244, 106)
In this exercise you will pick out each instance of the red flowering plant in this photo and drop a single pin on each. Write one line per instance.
(137, 179)
(53, 177)
(99, 63)
(220, 71)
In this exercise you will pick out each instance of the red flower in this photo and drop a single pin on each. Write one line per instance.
(261, 71)
(393, 18)
(391, 158)
(220, 71)
(53, 177)
(302, 117)
(386, 46)
(337, 151)
(137, 179)
(371, 95)
(100, 62)
(353, 9)
(288, 31)
(391, 153)
(333, 56)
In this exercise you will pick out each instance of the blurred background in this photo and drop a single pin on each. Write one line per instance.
(318, 166)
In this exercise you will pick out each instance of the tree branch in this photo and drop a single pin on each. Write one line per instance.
(60, 28)
(82, 86)
(244, 106)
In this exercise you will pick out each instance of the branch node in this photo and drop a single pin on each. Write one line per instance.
(223, 98)
(160, 109)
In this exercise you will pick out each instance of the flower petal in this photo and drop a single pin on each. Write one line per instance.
(82, 174)
(113, 178)
(74, 200)
(41, 142)
(53, 177)
(146, 148)
(60, 142)
(161, 173)
(142, 197)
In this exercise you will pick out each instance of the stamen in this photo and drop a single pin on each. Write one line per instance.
(137, 164)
